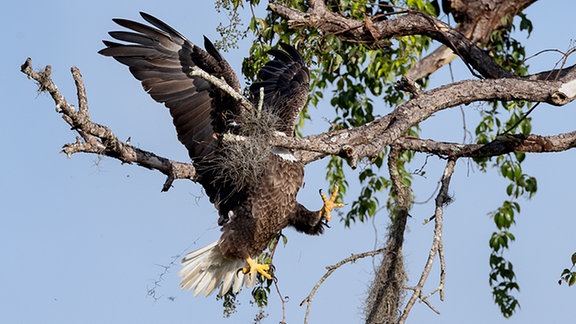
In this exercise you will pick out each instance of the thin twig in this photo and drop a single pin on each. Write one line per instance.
(153, 292)
(282, 302)
(331, 269)
(425, 300)
(442, 269)
(222, 85)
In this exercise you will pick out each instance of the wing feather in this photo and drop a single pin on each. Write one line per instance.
(161, 58)
(286, 82)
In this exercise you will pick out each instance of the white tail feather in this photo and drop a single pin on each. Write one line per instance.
(206, 269)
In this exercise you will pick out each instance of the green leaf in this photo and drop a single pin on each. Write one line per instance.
(572, 279)
(510, 189)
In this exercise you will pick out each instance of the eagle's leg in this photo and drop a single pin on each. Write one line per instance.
(255, 266)
(313, 222)
(329, 204)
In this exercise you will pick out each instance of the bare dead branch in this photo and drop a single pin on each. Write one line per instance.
(222, 85)
(81, 92)
(442, 269)
(98, 139)
(283, 300)
(425, 299)
(441, 200)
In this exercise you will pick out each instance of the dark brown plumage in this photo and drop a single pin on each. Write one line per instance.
(253, 185)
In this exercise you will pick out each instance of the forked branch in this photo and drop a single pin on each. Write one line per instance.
(442, 199)
(99, 139)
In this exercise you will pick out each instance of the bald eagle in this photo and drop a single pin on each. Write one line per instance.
(252, 185)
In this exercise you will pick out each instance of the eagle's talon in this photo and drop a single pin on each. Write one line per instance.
(254, 266)
(329, 204)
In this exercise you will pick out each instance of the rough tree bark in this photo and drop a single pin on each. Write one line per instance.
(475, 20)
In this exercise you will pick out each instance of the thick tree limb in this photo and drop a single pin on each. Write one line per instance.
(476, 20)
(369, 140)
(352, 144)
(408, 23)
(100, 139)
(501, 145)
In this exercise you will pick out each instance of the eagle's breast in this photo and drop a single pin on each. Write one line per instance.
(267, 209)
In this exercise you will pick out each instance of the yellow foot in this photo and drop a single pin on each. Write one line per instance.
(330, 204)
(255, 266)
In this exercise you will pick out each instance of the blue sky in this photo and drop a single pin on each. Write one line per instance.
(83, 239)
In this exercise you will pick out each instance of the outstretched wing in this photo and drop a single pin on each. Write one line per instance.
(162, 59)
(286, 83)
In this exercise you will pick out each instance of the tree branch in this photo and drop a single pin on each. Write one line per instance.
(331, 269)
(410, 22)
(351, 144)
(100, 139)
(308, 149)
(476, 20)
(369, 140)
(501, 145)
(222, 85)
(441, 199)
